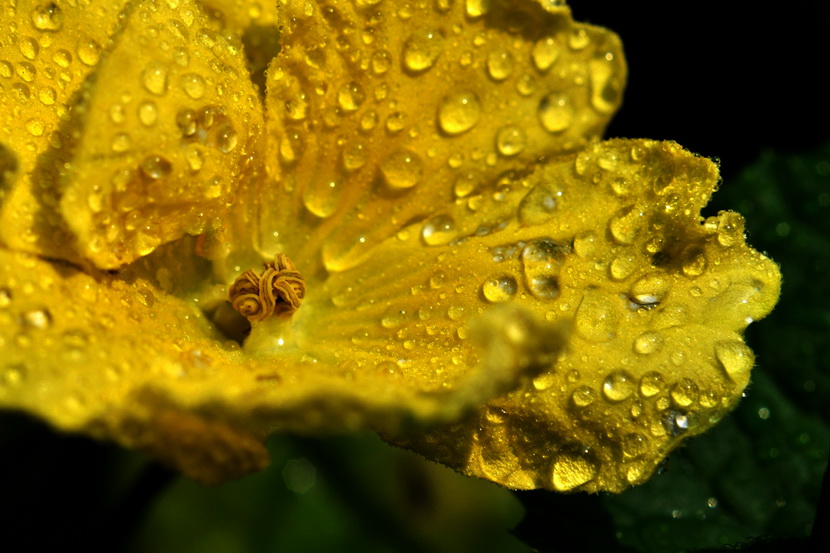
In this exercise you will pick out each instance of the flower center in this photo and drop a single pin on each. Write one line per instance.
(278, 291)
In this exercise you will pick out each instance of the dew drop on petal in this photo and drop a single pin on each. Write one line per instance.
(154, 78)
(499, 288)
(545, 53)
(148, 113)
(89, 52)
(477, 8)
(499, 64)
(571, 470)
(402, 169)
(556, 112)
(439, 230)
(618, 386)
(156, 167)
(459, 112)
(735, 358)
(651, 384)
(193, 85)
(510, 140)
(422, 49)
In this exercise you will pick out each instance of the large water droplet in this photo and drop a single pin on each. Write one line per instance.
(89, 52)
(625, 224)
(439, 230)
(542, 263)
(651, 384)
(422, 49)
(596, 318)
(193, 85)
(381, 62)
(459, 112)
(730, 229)
(402, 169)
(684, 392)
(500, 64)
(510, 140)
(694, 262)
(154, 78)
(39, 319)
(148, 113)
(649, 290)
(545, 53)
(583, 396)
(648, 343)
(539, 205)
(350, 96)
(477, 8)
(634, 445)
(156, 167)
(499, 288)
(735, 358)
(48, 17)
(571, 470)
(29, 47)
(226, 138)
(556, 113)
(322, 197)
(47, 95)
(618, 386)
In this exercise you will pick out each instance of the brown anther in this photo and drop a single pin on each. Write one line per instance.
(277, 291)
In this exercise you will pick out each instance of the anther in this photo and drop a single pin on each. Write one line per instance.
(278, 291)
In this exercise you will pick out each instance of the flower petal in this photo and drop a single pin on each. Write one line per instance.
(46, 53)
(610, 244)
(170, 125)
(380, 111)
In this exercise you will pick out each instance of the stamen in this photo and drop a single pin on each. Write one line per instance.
(277, 291)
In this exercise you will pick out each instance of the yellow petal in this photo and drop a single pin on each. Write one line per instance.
(610, 243)
(379, 111)
(47, 52)
(170, 125)
(130, 357)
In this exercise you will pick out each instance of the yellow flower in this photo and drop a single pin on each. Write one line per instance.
(456, 261)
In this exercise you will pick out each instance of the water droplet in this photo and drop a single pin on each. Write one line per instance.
(730, 229)
(544, 381)
(13, 374)
(526, 85)
(648, 343)
(121, 143)
(47, 95)
(694, 262)
(684, 392)
(6, 69)
(542, 263)
(26, 71)
(545, 53)
(579, 39)
(62, 58)
(459, 112)
(395, 122)
(477, 8)
(651, 384)
(618, 386)
(35, 127)
(499, 64)
(29, 47)
(634, 445)
(354, 156)
(538, 205)
(622, 266)
(439, 230)
(499, 288)
(393, 318)
(148, 113)
(89, 52)
(37, 318)
(5, 297)
(556, 112)
(510, 140)
(422, 49)
(154, 78)
(402, 169)
(181, 56)
(583, 396)
(625, 224)
(596, 318)
(675, 422)
(156, 167)
(226, 138)
(571, 470)
(194, 157)
(736, 359)
(649, 290)
(47, 18)
(322, 197)
(381, 62)
(350, 96)
(192, 84)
